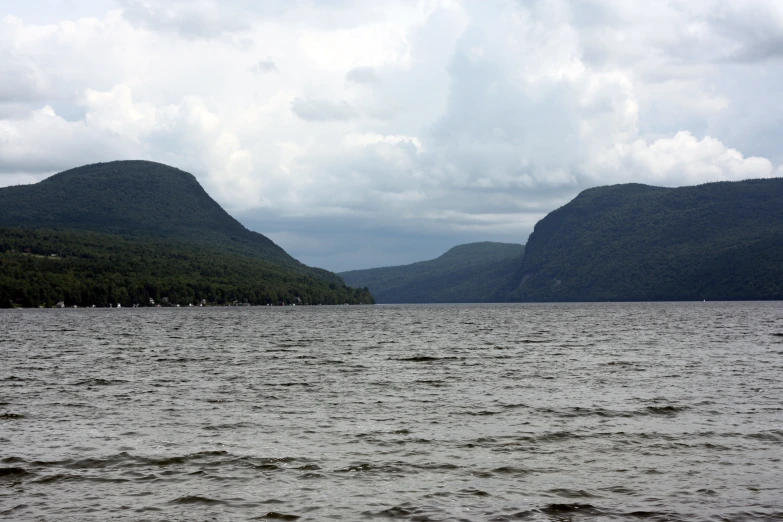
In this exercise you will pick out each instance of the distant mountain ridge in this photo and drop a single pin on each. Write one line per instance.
(629, 242)
(632, 242)
(475, 272)
(130, 231)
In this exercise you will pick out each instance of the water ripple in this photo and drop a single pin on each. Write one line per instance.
(654, 412)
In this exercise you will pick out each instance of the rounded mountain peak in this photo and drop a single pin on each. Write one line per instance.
(139, 198)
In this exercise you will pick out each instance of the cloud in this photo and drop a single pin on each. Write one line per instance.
(431, 123)
(680, 160)
(22, 81)
(749, 31)
(266, 66)
(192, 19)
(323, 110)
(44, 143)
(362, 75)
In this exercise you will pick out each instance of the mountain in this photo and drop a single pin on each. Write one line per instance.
(131, 198)
(631, 242)
(472, 273)
(717, 241)
(130, 231)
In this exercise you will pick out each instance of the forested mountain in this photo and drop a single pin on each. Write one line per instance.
(132, 199)
(129, 231)
(717, 241)
(472, 273)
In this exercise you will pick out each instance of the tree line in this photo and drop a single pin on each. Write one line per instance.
(40, 267)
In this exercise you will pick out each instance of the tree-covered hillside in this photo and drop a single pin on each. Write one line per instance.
(472, 273)
(132, 198)
(41, 267)
(126, 231)
(635, 242)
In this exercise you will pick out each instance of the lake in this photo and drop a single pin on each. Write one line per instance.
(627, 411)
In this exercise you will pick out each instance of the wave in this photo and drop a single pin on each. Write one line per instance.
(67, 477)
(99, 382)
(665, 410)
(572, 493)
(14, 378)
(511, 470)
(223, 427)
(196, 499)
(427, 358)
(10, 511)
(13, 472)
(274, 515)
(768, 435)
(558, 510)
(481, 413)
(581, 411)
(369, 467)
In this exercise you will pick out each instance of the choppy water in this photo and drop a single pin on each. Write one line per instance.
(521, 412)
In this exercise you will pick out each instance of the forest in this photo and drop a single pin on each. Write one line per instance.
(631, 242)
(127, 232)
(39, 267)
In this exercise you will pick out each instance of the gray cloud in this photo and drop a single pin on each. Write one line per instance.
(22, 82)
(315, 109)
(750, 35)
(362, 75)
(213, 18)
(266, 66)
(189, 19)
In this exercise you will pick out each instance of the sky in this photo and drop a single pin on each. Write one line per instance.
(359, 134)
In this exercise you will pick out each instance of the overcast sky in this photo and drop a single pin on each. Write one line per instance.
(358, 134)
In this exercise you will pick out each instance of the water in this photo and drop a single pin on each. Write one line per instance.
(520, 412)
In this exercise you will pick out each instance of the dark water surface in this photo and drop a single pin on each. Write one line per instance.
(667, 411)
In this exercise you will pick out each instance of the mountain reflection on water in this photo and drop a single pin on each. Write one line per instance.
(663, 411)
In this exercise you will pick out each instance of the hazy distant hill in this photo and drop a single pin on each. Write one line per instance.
(472, 273)
(127, 231)
(636, 242)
